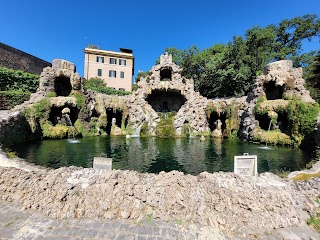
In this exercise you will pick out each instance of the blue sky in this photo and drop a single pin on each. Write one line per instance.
(62, 29)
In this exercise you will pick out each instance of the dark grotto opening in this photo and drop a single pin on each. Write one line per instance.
(166, 101)
(272, 91)
(166, 74)
(56, 117)
(264, 121)
(62, 86)
(214, 116)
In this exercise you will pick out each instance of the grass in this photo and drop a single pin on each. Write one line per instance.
(315, 222)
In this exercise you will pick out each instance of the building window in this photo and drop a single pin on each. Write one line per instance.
(113, 61)
(121, 74)
(112, 73)
(121, 89)
(122, 62)
(99, 72)
(100, 59)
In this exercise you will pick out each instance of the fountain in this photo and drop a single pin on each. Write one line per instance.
(136, 133)
(266, 146)
(65, 113)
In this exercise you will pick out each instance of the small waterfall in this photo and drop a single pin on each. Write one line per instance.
(190, 133)
(68, 120)
(136, 133)
(270, 125)
(266, 146)
(69, 124)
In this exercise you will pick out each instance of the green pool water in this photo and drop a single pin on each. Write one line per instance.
(188, 155)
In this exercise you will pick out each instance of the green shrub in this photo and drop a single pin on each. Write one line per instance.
(98, 85)
(302, 117)
(81, 101)
(18, 80)
(59, 131)
(9, 99)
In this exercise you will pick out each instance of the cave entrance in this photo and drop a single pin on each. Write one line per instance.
(282, 121)
(264, 121)
(214, 116)
(113, 114)
(272, 91)
(166, 74)
(62, 86)
(56, 117)
(166, 101)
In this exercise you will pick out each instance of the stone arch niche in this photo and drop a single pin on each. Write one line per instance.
(62, 86)
(273, 91)
(214, 117)
(166, 74)
(56, 114)
(113, 114)
(166, 100)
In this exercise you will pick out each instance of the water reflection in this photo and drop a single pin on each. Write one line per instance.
(189, 155)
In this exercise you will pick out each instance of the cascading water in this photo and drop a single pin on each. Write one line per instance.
(136, 133)
(266, 146)
(69, 123)
(190, 133)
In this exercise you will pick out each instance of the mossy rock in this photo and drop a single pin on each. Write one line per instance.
(271, 137)
(305, 176)
(59, 131)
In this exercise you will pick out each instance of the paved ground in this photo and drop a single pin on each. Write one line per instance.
(18, 224)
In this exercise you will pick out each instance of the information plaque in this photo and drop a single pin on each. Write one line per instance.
(246, 165)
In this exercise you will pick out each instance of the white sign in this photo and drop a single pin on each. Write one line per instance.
(102, 163)
(246, 165)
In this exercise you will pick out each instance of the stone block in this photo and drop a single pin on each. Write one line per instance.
(102, 163)
(63, 65)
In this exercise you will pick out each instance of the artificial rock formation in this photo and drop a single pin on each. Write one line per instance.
(61, 78)
(165, 91)
(280, 81)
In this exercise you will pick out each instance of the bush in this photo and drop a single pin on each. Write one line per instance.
(9, 99)
(18, 80)
(98, 85)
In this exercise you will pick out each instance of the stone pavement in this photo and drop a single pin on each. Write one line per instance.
(18, 224)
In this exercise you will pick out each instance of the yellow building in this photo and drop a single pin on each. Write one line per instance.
(115, 68)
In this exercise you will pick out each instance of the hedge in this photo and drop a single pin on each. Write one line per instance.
(18, 80)
(9, 99)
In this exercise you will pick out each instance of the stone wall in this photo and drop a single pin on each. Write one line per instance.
(18, 60)
(229, 203)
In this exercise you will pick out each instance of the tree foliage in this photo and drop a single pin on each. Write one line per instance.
(231, 69)
(98, 85)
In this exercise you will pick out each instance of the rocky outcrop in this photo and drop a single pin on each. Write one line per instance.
(224, 200)
(61, 78)
(279, 81)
